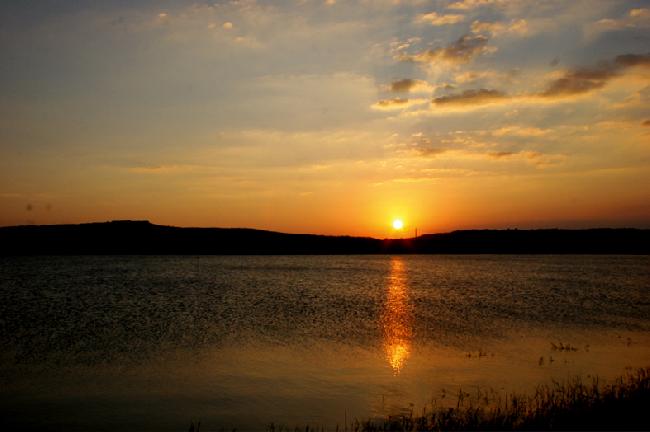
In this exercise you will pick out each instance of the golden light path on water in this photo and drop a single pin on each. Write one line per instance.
(396, 319)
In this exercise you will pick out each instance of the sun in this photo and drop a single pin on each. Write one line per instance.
(398, 224)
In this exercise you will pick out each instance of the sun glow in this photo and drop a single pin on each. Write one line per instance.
(398, 224)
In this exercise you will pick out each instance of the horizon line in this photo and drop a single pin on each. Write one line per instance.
(421, 234)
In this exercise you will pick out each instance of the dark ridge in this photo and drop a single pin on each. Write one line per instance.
(144, 238)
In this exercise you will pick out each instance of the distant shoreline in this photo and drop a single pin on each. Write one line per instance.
(145, 238)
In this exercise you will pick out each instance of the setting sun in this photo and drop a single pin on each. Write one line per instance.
(398, 224)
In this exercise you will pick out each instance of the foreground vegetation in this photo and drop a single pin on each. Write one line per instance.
(574, 405)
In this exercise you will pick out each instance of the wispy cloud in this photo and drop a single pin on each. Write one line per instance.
(635, 18)
(397, 103)
(567, 85)
(640, 13)
(418, 144)
(468, 76)
(460, 51)
(520, 131)
(471, 97)
(535, 158)
(435, 19)
(586, 79)
(518, 27)
(471, 4)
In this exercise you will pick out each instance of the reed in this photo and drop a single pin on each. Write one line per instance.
(571, 405)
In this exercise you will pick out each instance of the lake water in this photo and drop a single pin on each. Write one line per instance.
(152, 343)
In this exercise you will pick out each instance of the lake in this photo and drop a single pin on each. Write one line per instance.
(155, 342)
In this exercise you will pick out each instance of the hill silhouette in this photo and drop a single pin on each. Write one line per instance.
(143, 237)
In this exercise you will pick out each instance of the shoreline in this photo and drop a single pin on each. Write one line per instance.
(145, 238)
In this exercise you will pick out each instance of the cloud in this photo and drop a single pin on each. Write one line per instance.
(471, 97)
(646, 123)
(421, 145)
(567, 84)
(470, 4)
(408, 85)
(627, 60)
(484, 74)
(438, 20)
(461, 51)
(640, 13)
(391, 102)
(487, 27)
(398, 47)
(607, 24)
(635, 18)
(501, 154)
(535, 158)
(517, 27)
(584, 80)
(519, 131)
(578, 81)
(397, 103)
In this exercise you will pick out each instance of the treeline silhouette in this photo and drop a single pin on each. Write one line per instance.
(143, 237)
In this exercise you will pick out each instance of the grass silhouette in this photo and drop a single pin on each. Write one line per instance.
(572, 405)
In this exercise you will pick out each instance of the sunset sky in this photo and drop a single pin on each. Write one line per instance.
(328, 117)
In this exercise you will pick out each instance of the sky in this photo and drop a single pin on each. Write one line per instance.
(331, 117)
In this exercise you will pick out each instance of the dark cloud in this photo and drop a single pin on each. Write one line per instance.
(470, 97)
(460, 51)
(646, 123)
(579, 81)
(501, 154)
(627, 60)
(404, 85)
(430, 151)
(583, 80)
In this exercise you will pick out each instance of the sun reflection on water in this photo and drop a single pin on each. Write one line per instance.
(396, 317)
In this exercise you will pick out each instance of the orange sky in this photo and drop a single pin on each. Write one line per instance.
(327, 117)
